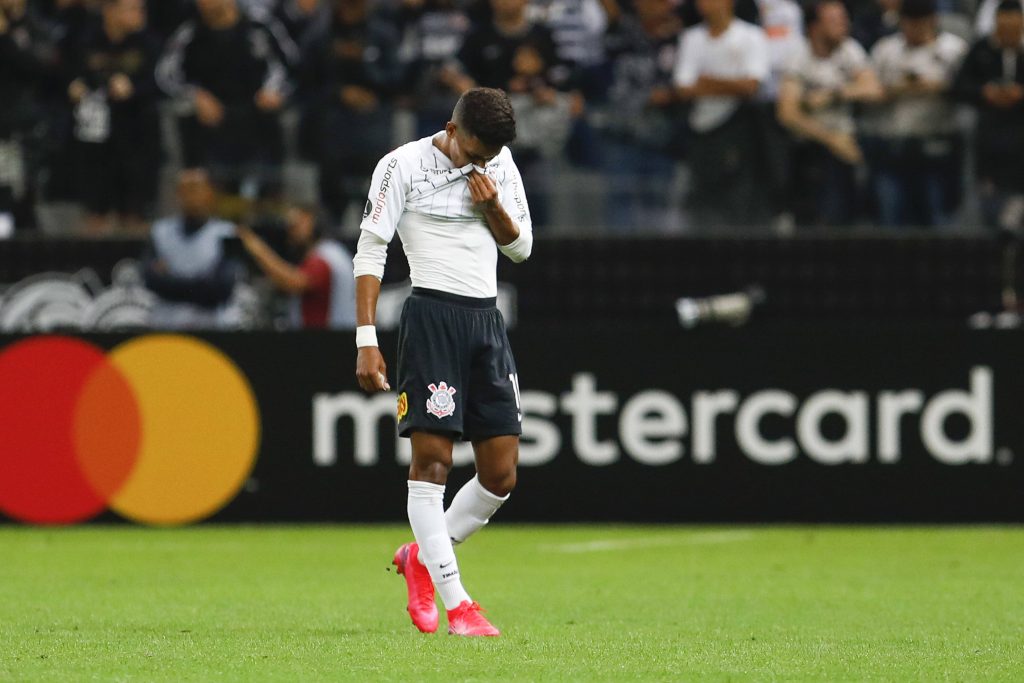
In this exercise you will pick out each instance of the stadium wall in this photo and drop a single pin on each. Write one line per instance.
(774, 422)
(835, 276)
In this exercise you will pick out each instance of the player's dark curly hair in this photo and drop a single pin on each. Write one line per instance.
(487, 113)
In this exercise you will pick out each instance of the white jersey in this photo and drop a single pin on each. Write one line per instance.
(417, 192)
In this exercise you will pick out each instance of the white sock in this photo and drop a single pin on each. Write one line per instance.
(470, 510)
(426, 516)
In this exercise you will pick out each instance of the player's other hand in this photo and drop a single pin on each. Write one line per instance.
(482, 190)
(371, 370)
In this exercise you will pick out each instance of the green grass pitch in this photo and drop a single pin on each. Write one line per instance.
(592, 603)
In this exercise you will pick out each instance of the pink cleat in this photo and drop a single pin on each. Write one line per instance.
(421, 589)
(467, 620)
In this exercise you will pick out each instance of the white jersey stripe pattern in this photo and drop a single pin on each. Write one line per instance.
(418, 193)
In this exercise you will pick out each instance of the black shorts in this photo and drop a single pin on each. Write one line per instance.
(456, 373)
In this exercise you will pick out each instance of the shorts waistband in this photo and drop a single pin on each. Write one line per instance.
(457, 299)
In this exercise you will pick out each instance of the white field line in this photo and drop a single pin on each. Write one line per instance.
(606, 544)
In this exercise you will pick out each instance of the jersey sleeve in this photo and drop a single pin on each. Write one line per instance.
(513, 200)
(386, 199)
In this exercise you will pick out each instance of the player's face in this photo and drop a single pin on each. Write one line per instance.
(464, 148)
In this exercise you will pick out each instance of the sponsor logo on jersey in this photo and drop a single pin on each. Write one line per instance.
(441, 402)
(403, 405)
(382, 192)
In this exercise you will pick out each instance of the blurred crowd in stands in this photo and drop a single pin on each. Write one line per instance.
(698, 113)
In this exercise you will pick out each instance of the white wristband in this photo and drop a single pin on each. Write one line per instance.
(366, 335)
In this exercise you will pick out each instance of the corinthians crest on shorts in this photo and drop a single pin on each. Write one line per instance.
(441, 402)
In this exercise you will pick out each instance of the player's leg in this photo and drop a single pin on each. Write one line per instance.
(431, 558)
(480, 497)
(473, 506)
(431, 461)
(493, 422)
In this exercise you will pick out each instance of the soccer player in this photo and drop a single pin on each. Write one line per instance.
(456, 199)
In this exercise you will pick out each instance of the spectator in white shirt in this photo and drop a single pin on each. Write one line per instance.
(720, 66)
(826, 77)
(916, 166)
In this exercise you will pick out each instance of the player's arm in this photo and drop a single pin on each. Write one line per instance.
(371, 370)
(284, 275)
(384, 207)
(513, 233)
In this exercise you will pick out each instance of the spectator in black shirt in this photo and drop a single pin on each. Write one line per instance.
(226, 72)
(641, 119)
(116, 125)
(515, 54)
(434, 31)
(992, 79)
(356, 71)
(303, 20)
(165, 16)
(488, 54)
(28, 60)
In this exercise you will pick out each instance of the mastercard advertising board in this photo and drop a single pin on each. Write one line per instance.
(782, 423)
(160, 429)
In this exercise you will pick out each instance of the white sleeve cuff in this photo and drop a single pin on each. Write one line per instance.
(519, 249)
(371, 255)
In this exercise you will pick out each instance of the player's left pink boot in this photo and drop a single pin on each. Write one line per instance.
(467, 620)
(422, 607)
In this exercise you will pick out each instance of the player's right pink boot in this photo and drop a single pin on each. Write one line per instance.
(422, 607)
(466, 620)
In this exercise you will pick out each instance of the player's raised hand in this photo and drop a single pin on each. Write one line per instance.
(482, 190)
(371, 370)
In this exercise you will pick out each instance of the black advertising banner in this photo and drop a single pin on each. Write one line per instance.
(911, 423)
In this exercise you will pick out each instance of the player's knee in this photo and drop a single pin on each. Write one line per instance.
(430, 472)
(499, 483)
(431, 465)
